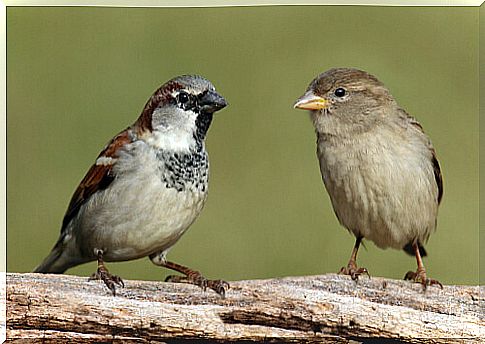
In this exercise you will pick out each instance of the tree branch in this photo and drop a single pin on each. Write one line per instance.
(328, 308)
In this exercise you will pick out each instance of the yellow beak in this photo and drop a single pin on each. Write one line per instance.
(309, 101)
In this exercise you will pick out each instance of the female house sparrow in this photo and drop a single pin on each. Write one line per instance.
(145, 189)
(377, 164)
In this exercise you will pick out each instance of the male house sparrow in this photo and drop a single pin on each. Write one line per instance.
(377, 164)
(145, 189)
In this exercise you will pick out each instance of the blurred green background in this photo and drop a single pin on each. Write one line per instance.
(77, 76)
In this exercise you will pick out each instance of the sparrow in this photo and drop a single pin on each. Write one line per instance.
(145, 189)
(377, 164)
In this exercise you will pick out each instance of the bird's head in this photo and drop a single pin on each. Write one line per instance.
(347, 95)
(180, 110)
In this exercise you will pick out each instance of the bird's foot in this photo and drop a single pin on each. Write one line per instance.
(110, 280)
(420, 277)
(353, 271)
(196, 278)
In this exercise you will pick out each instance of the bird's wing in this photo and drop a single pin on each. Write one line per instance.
(99, 176)
(437, 174)
(434, 160)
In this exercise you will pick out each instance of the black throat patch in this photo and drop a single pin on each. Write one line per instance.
(185, 171)
(202, 123)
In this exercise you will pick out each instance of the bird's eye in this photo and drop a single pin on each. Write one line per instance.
(340, 92)
(183, 97)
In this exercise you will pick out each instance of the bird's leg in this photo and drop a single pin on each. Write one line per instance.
(194, 277)
(351, 269)
(420, 275)
(103, 274)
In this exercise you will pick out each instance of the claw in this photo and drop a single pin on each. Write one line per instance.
(353, 271)
(195, 277)
(420, 277)
(109, 280)
(103, 274)
(219, 286)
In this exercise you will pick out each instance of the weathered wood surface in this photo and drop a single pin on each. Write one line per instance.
(328, 308)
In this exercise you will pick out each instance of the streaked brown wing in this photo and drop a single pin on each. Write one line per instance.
(98, 177)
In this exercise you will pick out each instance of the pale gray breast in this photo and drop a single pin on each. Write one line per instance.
(381, 185)
(154, 198)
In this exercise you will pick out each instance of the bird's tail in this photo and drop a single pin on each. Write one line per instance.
(410, 250)
(55, 262)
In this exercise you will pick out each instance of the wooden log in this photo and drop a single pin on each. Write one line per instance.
(328, 308)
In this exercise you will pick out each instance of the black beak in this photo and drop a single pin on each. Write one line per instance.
(211, 101)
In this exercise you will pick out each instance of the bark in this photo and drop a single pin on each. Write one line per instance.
(327, 308)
